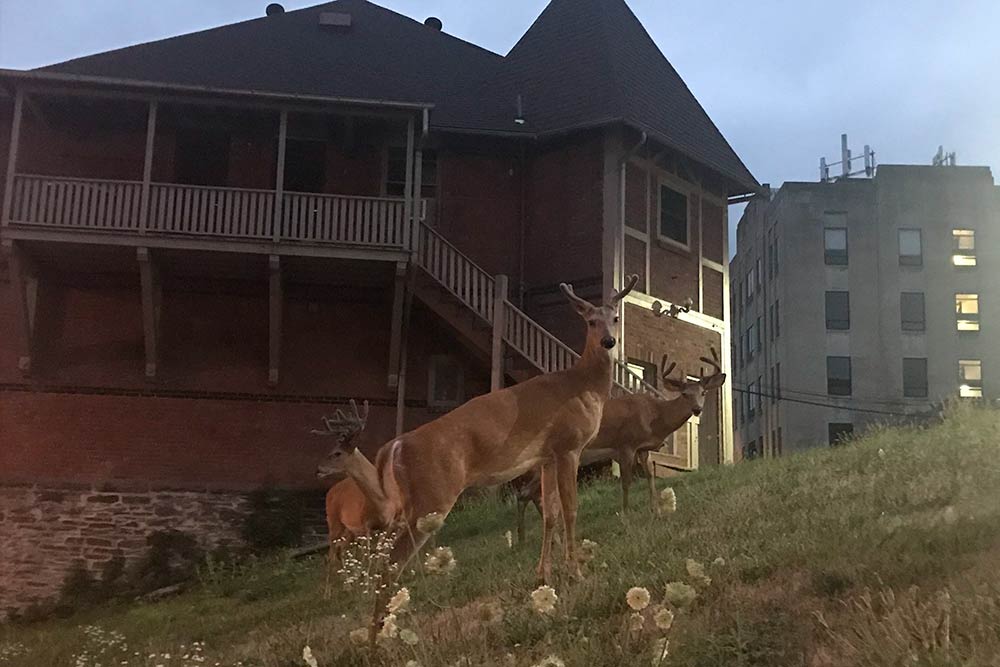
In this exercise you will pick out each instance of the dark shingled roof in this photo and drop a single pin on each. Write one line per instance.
(583, 63)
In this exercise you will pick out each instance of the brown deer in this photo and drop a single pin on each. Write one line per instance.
(634, 425)
(543, 422)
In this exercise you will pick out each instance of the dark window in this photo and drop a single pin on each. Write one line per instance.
(446, 382)
(760, 335)
(835, 245)
(748, 285)
(760, 390)
(915, 378)
(838, 376)
(777, 381)
(838, 311)
(839, 433)
(749, 343)
(780, 443)
(911, 308)
(305, 165)
(751, 400)
(760, 276)
(770, 319)
(395, 174)
(673, 215)
(644, 369)
(910, 248)
(774, 256)
(777, 320)
(202, 157)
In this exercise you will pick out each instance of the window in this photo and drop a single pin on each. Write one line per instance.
(395, 173)
(967, 312)
(911, 308)
(673, 216)
(777, 320)
(838, 376)
(739, 353)
(305, 165)
(644, 369)
(760, 389)
(964, 247)
(760, 275)
(780, 443)
(839, 433)
(970, 378)
(770, 319)
(774, 256)
(835, 245)
(751, 279)
(446, 382)
(758, 342)
(915, 378)
(751, 337)
(911, 251)
(777, 381)
(838, 311)
(751, 400)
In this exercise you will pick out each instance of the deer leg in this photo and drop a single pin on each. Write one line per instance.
(567, 466)
(647, 463)
(626, 463)
(550, 517)
(333, 558)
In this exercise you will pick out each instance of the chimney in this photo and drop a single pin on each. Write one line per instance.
(434, 23)
(274, 9)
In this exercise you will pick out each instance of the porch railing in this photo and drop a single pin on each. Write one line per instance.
(191, 210)
(474, 287)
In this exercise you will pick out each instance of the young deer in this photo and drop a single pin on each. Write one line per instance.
(636, 424)
(543, 422)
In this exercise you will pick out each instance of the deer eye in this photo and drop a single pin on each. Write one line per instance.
(592, 323)
(616, 319)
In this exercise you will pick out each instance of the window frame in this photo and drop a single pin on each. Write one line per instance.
(670, 185)
(926, 389)
(647, 370)
(846, 323)
(972, 322)
(830, 380)
(433, 365)
(963, 258)
(832, 257)
(970, 388)
(910, 326)
(910, 260)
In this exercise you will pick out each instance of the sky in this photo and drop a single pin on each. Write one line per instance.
(781, 79)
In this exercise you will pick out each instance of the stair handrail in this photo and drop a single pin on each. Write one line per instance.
(474, 287)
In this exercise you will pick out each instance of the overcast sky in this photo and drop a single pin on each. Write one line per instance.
(781, 79)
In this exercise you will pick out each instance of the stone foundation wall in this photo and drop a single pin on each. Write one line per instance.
(44, 531)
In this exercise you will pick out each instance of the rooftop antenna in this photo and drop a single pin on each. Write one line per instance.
(942, 159)
(846, 162)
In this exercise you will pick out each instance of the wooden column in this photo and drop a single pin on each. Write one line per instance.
(399, 296)
(401, 385)
(499, 324)
(24, 282)
(279, 180)
(408, 216)
(147, 167)
(15, 140)
(149, 276)
(276, 302)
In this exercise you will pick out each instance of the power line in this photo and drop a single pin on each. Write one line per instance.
(825, 405)
(866, 399)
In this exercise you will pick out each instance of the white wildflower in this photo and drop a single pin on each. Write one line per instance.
(408, 637)
(696, 571)
(668, 501)
(663, 618)
(308, 657)
(637, 598)
(389, 628)
(440, 561)
(431, 523)
(636, 623)
(588, 550)
(551, 661)
(719, 562)
(412, 663)
(510, 539)
(680, 594)
(359, 637)
(399, 601)
(543, 599)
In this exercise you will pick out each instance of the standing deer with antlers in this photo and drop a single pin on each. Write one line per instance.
(349, 514)
(634, 425)
(543, 422)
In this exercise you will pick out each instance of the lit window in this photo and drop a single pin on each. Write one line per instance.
(964, 249)
(970, 377)
(967, 312)
(910, 248)
(835, 245)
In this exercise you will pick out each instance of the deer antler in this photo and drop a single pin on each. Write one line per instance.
(343, 424)
(571, 295)
(630, 284)
(713, 362)
(667, 370)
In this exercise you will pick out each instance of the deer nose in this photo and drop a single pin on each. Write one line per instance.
(608, 342)
(696, 412)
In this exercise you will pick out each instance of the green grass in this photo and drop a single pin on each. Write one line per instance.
(883, 552)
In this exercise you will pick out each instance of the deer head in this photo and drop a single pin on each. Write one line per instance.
(601, 320)
(345, 428)
(694, 391)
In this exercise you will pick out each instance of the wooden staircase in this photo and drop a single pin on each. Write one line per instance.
(475, 304)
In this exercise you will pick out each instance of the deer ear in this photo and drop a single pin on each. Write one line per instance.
(715, 381)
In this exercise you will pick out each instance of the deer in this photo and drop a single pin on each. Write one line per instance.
(349, 514)
(544, 422)
(634, 425)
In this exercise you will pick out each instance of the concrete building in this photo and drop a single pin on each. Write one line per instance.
(859, 300)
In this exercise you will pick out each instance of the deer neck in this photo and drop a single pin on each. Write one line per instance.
(595, 362)
(671, 415)
(366, 476)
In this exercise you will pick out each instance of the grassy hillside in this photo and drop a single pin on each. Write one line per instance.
(882, 552)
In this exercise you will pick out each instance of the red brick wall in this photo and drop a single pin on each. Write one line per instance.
(673, 270)
(636, 195)
(713, 224)
(635, 260)
(648, 338)
(712, 293)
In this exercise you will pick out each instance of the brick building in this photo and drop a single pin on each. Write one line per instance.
(210, 239)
